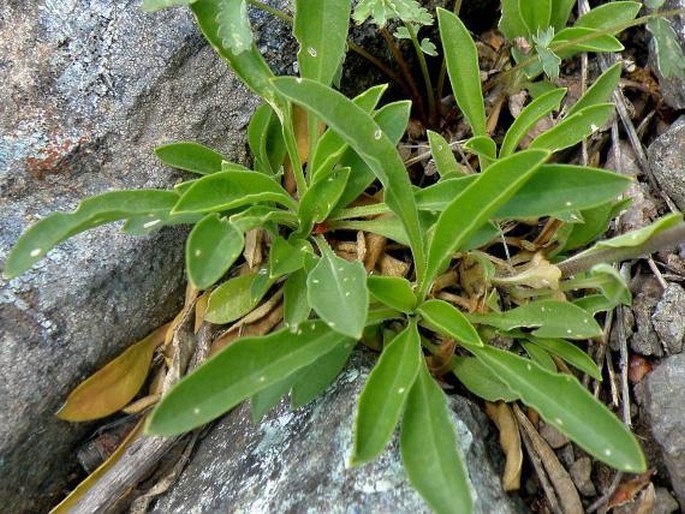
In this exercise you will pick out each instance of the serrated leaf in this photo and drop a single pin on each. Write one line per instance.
(156, 5)
(320, 199)
(447, 320)
(442, 154)
(550, 318)
(430, 452)
(476, 204)
(244, 368)
(315, 378)
(669, 54)
(212, 247)
(609, 15)
(320, 27)
(479, 380)
(536, 15)
(43, 235)
(234, 298)
(530, 115)
(395, 292)
(234, 26)
(359, 130)
(382, 400)
(461, 58)
(575, 128)
(189, 156)
(229, 190)
(600, 91)
(113, 386)
(337, 291)
(381, 11)
(570, 353)
(566, 405)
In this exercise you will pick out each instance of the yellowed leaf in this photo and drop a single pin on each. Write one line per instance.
(113, 386)
(201, 310)
(510, 441)
(70, 501)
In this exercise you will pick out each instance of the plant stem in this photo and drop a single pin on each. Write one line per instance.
(430, 94)
(586, 260)
(361, 212)
(381, 66)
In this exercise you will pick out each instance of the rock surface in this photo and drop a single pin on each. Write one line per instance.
(665, 407)
(90, 87)
(666, 161)
(668, 319)
(297, 461)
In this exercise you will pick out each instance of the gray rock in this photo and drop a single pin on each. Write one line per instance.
(644, 339)
(669, 318)
(666, 161)
(665, 503)
(665, 408)
(672, 89)
(581, 471)
(297, 461)
(90, 87)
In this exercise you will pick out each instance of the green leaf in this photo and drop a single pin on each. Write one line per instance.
(479, 380)
(191, 157)
(231, 189)
(608, 280)
(234, 26)
(442, 154)
(430, 452)
(212, 247)
(296, 308)
(561, 11)
(565, 42)
(395, 292)
(156, 5)
(147, 223)
(609, 15)
(262, 215)
(536, 15)
(336, 290)
(320, 27)
(388, 226)
(315, 378)
(476, 204)
(320, 199)
(530, 115)
(266, 399)
(553, 319)
(360, 131)
(565, 404)
(601, 90)
(381, 11)
(447, 320)
(575, 128)
(595, 222)
(594, 303)
(92, 212)
(382, 400)
(265, 137)
(331, 146)
(483, 146)
(669, 54)
(461, 58)
(570, 353)
(233, 299)
(511, 23)
(539, 355)
(244, 368)
(286, 257)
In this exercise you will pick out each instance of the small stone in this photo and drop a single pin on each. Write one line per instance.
(553, 437)
(644, 339)
(665, 502)
(581, 471)
(667, 164)
(669, 318)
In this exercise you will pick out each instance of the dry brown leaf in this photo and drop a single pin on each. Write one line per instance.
(440, 363)
(114, 385)
(253, 247)
(393, 267)
(567, 494)
(259, 328)
(628, 490)
(201, 310)
(361, 246)
(638, 368)
(375, 247)
(141, 404)
(180, 349)
(510, 441)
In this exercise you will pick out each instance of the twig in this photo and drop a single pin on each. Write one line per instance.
(608, 494)
(623, 366)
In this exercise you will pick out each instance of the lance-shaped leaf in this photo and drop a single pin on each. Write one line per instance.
(296, 308)
(244, 368)
(667, 49)
(570, 353)
(190, 157)
(315, 378)
(474, 206)
(609, 15)
(600, 91)
(364, 135)
(478, 379)
(530, 115)
(575, 128)
(461, 58)
(565, 42)
(536, 15)
(266, 399)
(212, 246)
(286, 256)
(231, 189)
(265, 137)
(539, 355)
(395, 292)
(320, 27)
(565, 404)
(112, 387)
(511, 23)
(235, 298)
(550, 318)
(442, 154)
(561, 11)
(430, 452)
(382, 400)
(234, 26)
(42, 236)
(336, 290)
(447, 320)
(320, 199)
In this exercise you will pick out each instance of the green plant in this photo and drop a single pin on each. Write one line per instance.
(343, 146)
